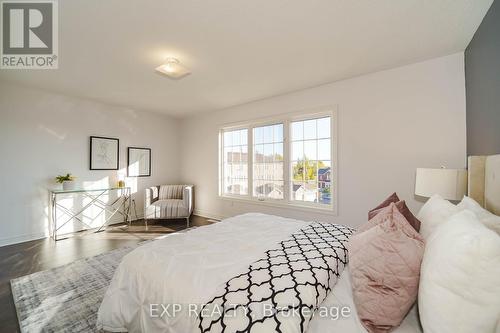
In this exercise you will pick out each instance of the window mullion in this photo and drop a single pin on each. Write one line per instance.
(317, 163)
(250, 161)
(287, 170)
(221, 163)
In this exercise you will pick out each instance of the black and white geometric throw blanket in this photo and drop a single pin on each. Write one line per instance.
(281, 291)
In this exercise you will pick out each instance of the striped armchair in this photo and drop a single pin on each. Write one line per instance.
(168, 202)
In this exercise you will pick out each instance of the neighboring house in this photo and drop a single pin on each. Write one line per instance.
(272, 191)
(302, 193)
(298, 190)
(324, 177)
(235, 188)
(235, 158)
(275, 194)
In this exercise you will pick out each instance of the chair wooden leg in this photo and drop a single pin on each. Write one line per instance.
(187, 220)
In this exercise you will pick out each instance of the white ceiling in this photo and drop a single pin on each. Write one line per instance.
(241, 50)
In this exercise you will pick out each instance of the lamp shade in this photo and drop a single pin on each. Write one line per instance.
(451, 184)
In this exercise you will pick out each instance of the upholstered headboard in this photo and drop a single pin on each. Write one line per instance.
(484, 181)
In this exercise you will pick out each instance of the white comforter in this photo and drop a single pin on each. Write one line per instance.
(187, 268)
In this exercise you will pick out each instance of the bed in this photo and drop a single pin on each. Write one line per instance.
(167, 284)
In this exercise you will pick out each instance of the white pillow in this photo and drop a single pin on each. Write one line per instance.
(437, 210)
(434, 213)
(490, 220)
(459, 287)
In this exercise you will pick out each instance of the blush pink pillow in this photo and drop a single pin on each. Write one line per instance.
(403, 209)
(384, 264)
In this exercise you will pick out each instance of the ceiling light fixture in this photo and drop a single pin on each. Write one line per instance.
(173, 69)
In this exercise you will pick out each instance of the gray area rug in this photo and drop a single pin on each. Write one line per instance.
(66, 298)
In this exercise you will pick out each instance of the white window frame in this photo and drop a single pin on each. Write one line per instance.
(221, 162)
(250, 161)
(286, 120)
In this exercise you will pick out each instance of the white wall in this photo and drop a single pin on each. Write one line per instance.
(44, 134)
(390, 123)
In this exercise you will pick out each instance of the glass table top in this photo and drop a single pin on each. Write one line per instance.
(83, 190)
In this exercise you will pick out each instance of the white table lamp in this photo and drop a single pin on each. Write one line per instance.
(451, 184)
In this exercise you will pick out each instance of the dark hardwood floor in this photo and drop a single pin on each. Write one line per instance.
(30, 257)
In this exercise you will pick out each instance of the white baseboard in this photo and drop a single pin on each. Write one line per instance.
(30, 237)
(209, 215)
(21, 239)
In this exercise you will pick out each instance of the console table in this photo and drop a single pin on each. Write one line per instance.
(121, 205)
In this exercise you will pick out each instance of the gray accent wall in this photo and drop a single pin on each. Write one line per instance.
(482, 82)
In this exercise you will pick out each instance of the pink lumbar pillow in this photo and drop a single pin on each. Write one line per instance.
(403, 209)
(384, 264)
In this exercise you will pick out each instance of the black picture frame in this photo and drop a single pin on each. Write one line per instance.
(95, 165)
(131, 174)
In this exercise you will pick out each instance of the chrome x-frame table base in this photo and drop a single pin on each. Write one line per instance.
(121, 205)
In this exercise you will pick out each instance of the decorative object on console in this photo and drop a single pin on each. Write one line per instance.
(451, 184)
(121, 179)
(138, 162)
(67, 181)
(104, 153)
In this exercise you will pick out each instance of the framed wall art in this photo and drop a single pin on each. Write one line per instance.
(138, 162)
(104, 153)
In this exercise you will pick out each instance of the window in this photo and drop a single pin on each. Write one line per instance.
(267, 162)
(286, 161)
(311, 160)
(235, 163)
